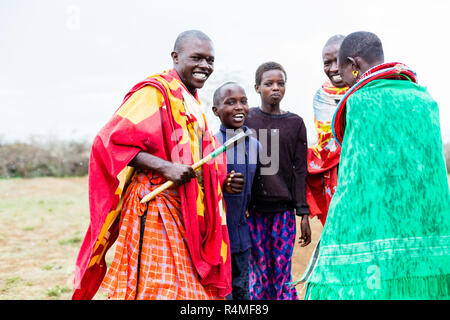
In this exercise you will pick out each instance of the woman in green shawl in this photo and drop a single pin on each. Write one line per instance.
(387, 235)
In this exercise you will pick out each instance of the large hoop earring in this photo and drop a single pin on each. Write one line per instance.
(355, 73)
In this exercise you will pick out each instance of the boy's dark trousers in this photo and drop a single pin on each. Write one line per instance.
(239, 272)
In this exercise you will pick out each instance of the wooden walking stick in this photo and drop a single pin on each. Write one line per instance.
(229, 143)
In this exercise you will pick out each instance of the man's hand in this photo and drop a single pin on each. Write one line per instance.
(305, 238)
(234, 182)
(178, 173)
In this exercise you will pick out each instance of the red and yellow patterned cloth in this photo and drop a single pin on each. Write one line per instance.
(161, 117)
(323, 157)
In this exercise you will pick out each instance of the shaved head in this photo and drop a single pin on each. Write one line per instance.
(359, 52)
(231, 105)
(218, 93)
(363, 44)
(188, 35)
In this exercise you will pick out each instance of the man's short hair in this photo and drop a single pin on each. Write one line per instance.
(218, 92)
(362, 44)
(187, 35)
(336, 39)
(267, 67)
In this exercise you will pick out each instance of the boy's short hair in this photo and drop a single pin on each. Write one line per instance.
(217, 93)
(267, 67)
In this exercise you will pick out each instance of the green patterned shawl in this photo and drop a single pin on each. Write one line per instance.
(387, 235)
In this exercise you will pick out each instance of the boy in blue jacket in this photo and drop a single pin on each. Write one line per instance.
(230, 105)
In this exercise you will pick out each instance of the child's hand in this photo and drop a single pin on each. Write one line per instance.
(305, 238)
(234, 183)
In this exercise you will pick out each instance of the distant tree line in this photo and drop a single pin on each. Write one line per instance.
(50, 158)
(57, 158)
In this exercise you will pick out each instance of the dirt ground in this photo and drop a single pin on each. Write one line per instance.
(42, 224)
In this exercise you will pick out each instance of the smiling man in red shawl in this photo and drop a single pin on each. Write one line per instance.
(175, 246)
(323, 158)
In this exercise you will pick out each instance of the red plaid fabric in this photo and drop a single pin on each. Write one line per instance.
(166, 269)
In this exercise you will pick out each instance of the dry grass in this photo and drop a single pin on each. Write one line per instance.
(42, 224)
(301, 255)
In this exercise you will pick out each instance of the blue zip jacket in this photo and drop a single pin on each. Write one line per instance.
(243, 160)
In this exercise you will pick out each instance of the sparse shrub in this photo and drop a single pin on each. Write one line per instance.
(51, 158)
(57, 291)
(74, 240)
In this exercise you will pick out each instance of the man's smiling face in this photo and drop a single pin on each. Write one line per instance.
(330, 66)
(194, 62)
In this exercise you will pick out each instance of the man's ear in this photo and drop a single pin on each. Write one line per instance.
(174, 55)
(257, 88)
(354, 63)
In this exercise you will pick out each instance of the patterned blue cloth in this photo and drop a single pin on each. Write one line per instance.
(273, 238)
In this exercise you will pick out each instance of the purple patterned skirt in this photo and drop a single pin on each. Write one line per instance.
(273, 238)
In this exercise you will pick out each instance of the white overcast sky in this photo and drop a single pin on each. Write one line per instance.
(65, 65)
